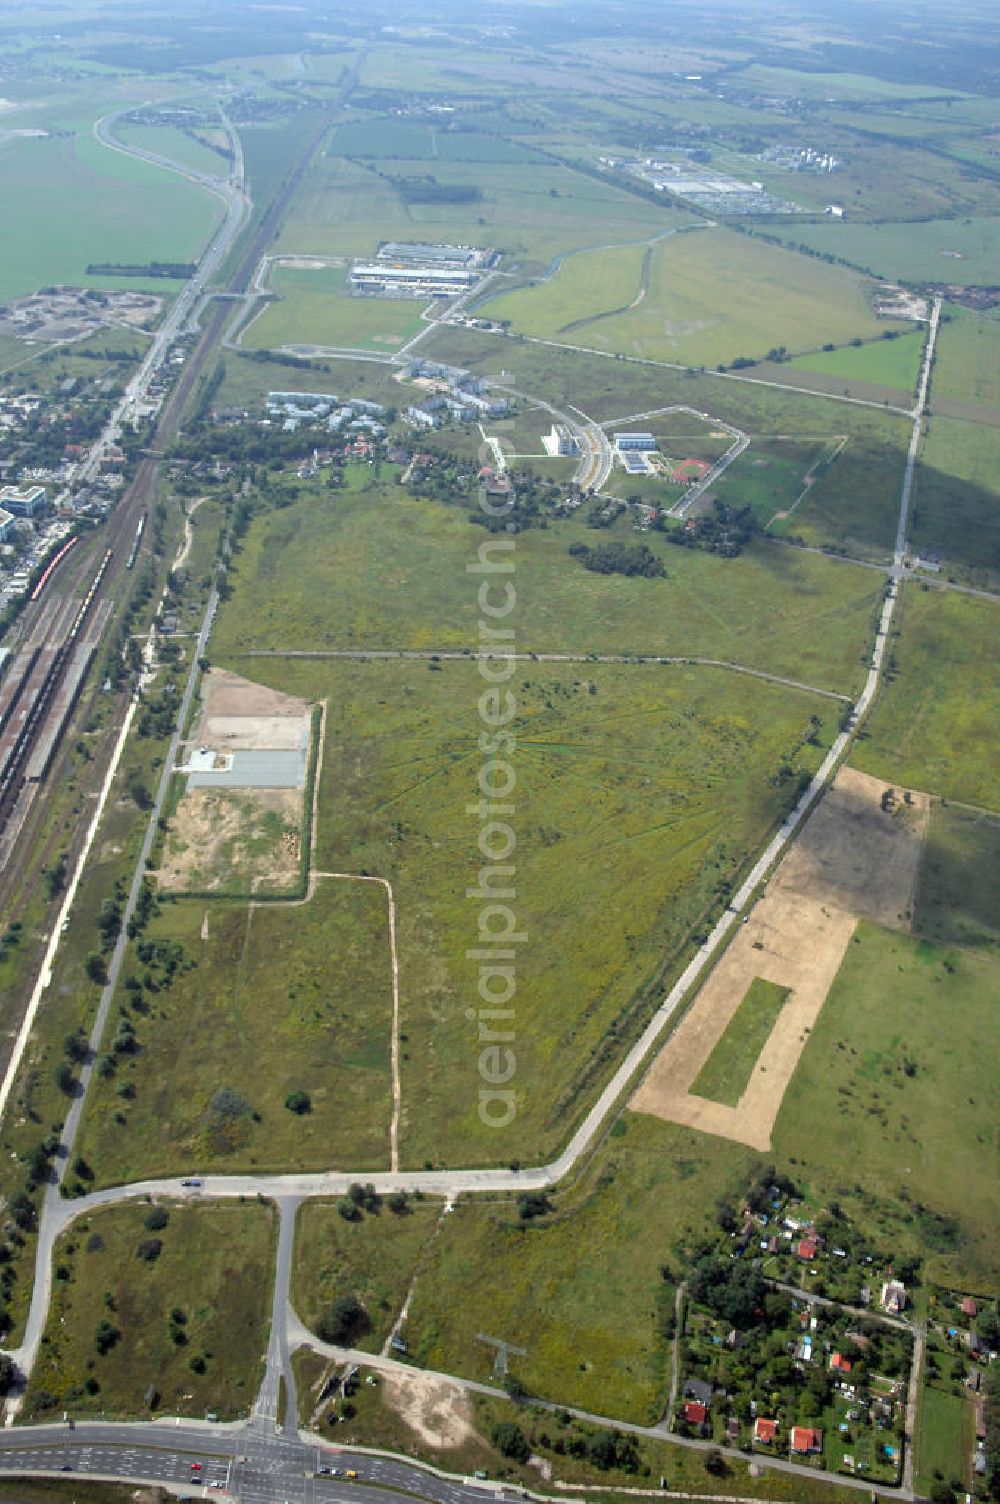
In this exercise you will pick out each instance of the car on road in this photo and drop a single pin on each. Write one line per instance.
(191, 1182)
(352, 1473)
(196, 1467)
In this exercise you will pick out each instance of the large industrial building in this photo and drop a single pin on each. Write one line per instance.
(415, 270)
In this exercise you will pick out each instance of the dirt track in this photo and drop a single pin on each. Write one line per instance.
(853, 860)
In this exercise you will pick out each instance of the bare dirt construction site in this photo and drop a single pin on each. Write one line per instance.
(440, 1413)
(853, 860)
(238, 823)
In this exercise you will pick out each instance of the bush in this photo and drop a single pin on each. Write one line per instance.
(298, 1102)
(156, 1219)
(510, 1440)
(149, 1250)
(344, 1321)
(105, 1337)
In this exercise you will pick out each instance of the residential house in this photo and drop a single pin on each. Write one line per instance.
(694, 1413)
(805, 1441)
(840, 1364)
(894, 1296)
(765, 1431)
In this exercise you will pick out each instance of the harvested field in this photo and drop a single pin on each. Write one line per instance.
(853, 860)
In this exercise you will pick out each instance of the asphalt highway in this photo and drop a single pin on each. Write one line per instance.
(248, 1462)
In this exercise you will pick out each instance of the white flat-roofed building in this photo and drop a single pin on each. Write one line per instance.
(561, 440)
(637, 443)
(386, 279)
(26, 503)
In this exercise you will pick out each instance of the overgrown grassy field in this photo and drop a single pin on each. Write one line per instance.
(724, 1076)
(535, 214)
(373, 1258)
(884, 1102)
(944, 1438)
(957, 898)
(583, 1293)
(190, 1322)
(120, 209)
(379, 569)
(275, 999)
(936, 723)
(887, 362)
(714, 296)
(655, 781)
(967, 360)
(955, 502)
(314, 312)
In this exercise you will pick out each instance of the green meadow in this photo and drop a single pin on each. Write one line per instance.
(936, 722)
(726, 1072)
(954, 509)
(967, 362)
(864, 1110)
(314, 308)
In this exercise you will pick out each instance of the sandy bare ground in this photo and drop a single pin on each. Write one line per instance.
(229, 695)
(212, 835)
(852, 860)
(440, 1413)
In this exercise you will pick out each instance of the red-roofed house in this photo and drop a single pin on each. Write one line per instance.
(807, 1248)
(694, 1413)
(805, 1440)
(764, 1431)
(839, 1363)
(968, 1306)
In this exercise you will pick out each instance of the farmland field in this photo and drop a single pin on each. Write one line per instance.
(967, 366)
(935, 726)
(714, 296)
(887, 362)
(954, 499)
(316, 309)
(957, 899)
(262, 1004)
(399, 582)
(866, 1090)
(963, 251)
(176, 145)
(121, 209)
(208, 1283)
